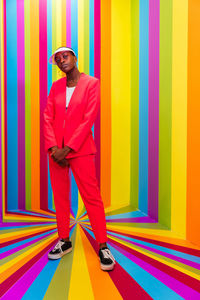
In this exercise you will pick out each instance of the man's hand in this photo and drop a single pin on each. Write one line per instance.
(58, 154)
(64, 163)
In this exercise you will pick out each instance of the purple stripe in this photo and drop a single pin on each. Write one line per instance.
(175, 285)
(1, 100)
(68, 17)
(153, 108)
(133, 220)
(21, 103)
(23, 284)
(13, 224)
(97, 73)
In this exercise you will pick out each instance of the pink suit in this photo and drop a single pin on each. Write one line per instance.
(72, 127)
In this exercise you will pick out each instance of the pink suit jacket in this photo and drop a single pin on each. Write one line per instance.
(74, 125)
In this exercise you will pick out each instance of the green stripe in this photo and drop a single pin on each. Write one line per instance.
(86, 37)
(165, 116)
(62, 276)
(134, 147)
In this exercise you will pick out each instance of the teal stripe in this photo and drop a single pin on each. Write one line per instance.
(12, 105)
(143, 105)
(49, 82)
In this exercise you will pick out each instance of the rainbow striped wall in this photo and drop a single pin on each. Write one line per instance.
(146, 55)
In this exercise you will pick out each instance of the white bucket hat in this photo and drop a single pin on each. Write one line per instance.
(52, 60)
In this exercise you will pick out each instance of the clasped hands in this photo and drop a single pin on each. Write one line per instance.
(58, 155)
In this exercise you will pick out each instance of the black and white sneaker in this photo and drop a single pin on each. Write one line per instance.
(107, 260)
(61, 248)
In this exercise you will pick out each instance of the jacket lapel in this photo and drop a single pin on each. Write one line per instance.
(62, 94)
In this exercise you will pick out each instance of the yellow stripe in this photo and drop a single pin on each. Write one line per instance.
(59, 73)
(2, 112)
(120, 102)
(81, 35)
(13, 235)
(179, 117)
(84, 290)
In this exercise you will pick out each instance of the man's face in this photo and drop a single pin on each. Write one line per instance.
(65, 60)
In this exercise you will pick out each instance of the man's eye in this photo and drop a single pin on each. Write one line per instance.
(57, 60)
(65, 56)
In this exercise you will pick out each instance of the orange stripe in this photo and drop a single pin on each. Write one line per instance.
(106, 102)
(97, 277)
(63, 23)
(35, 107)
(193, 136)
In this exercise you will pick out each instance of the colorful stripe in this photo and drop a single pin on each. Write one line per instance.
(146, 55)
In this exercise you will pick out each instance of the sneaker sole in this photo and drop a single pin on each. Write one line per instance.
(59, 255)
(106, 267)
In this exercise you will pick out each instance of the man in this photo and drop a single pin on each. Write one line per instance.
(71, 110)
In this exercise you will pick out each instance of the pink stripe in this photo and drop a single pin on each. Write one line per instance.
(68, 17)
(21, 103)
(43, 100)
(1, 100)
(5, 105)
(153, 108)
(97, 73)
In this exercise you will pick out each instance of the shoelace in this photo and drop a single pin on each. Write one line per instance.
(108, 254)
(58, 245)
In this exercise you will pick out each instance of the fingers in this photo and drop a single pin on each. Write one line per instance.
(63, 163)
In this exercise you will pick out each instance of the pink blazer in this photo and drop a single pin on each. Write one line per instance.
(74, 125)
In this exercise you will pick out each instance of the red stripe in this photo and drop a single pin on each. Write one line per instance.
(125, 284)
(5, 105)
(97, 63)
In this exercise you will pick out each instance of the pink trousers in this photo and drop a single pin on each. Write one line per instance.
(83, 168)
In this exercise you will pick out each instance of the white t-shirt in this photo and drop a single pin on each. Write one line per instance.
(69, 92)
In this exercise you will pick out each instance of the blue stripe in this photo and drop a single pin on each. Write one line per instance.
(74, 46)
(12, 107)
(91, 41)
(143, 104)
(49, 74)
(131, 214)
(91, 36)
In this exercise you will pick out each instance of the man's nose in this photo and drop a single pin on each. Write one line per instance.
(61, 59)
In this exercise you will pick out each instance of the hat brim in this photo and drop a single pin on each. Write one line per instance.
(52, 57)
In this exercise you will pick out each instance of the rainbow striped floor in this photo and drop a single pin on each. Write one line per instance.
(151, 261)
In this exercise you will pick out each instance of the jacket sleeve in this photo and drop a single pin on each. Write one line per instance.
(48, 115)
(90, 114)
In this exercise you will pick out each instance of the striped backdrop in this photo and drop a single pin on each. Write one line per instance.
(147, 133)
